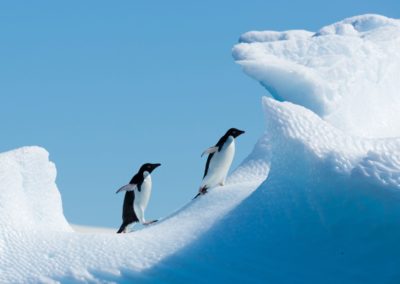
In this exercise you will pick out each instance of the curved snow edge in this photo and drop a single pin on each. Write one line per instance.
(29, 198)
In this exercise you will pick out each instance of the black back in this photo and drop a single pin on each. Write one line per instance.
(138, 180)
(128, 214)
(219, 144)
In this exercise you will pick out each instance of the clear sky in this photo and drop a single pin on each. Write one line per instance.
(105, 86)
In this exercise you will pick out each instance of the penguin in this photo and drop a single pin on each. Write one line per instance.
(137, 195)
(219, 161)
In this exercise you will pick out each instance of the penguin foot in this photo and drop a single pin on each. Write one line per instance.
(149, 222)
(202, 191)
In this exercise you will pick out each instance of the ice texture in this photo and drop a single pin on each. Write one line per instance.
(327, 213)
(348, 72)
(29, 198)
(317, 200)
(37, 245)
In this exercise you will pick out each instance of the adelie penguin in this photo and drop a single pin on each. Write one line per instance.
(137, 196)
(219, 161)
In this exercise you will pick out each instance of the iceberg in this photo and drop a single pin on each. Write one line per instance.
(317, 200)
(346, 72)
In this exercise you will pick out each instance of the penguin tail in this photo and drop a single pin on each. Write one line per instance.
(122, 228)
(197, 195)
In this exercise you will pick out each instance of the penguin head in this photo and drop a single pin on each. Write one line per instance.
(234, 132)
(148, 167)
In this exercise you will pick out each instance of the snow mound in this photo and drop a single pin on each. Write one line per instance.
(376, 160)
(347, 72)
(29, 199)
(325, 214)
(37, 245)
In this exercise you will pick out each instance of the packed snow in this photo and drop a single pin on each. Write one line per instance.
(323, 215)
(29, 198)
(43, 248)
(317, 201)
(347, 72)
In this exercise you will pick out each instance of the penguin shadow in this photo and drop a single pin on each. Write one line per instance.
(198, 202)
(194, 202)
(136, 227)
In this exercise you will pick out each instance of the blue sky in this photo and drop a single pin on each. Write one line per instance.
(106, 86)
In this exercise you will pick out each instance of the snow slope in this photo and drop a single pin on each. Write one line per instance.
(328, 213)
(90, 229)
(317, 201)
(44, 252)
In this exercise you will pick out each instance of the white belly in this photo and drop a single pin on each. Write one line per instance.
(220, 164)
(142, 198)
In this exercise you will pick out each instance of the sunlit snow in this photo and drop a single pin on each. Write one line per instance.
(347, 72)
(317, 201)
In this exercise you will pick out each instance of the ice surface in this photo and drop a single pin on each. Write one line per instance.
(43, 247)
(317, 201)
(326, 214)
(91, 230)
(347, 73)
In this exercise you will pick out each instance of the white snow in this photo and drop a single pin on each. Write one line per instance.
(328, 212)
(47, 253)
(29, 199)
(90, 229)
(347, 72)
(317, 201)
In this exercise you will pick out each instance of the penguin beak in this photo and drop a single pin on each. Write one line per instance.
(241, 132)
(156, 165)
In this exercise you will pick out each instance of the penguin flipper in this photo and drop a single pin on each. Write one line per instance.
(210, 150)
(127, 187)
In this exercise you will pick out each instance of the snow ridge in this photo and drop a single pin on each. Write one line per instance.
(317, 218)
(344, 72)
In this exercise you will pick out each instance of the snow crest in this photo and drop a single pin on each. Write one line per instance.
(375, 160)
(348, 72)
(327, 213)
